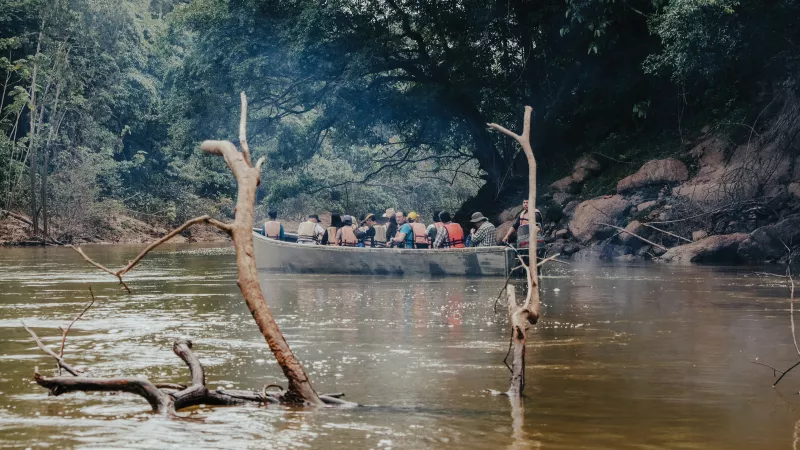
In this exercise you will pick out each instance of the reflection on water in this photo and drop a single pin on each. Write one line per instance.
(625, 356)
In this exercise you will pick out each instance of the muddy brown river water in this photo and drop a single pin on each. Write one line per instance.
(626, 356)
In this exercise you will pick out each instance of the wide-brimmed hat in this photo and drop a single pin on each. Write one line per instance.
(477, 217)
(389, 213)
(367, 217)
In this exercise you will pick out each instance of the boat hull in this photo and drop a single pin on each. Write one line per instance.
(288, 257)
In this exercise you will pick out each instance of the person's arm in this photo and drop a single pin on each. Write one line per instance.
(512, 230)
(399, 237)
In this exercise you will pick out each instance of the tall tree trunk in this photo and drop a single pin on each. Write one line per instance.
(248, 177)
(32, 140)
(528, 312)
(54, 126)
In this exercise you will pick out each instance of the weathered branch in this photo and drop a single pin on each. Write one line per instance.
(122, 271)
(243, 131)
(623, 230)
(59, 360)
(667, 233)
(65, 331)
(528, 313)
(248, 178)
(159, 401)
(299, 388)
(550, 258)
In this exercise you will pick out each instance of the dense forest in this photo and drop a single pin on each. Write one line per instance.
(360, 105)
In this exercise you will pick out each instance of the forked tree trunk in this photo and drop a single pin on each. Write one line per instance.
(248, 178)
(528, 312)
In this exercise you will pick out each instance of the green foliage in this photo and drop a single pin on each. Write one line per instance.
(360, 106)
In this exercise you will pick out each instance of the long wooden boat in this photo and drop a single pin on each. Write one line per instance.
(289, 257)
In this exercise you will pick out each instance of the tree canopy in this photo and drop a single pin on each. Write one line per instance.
(359, 105)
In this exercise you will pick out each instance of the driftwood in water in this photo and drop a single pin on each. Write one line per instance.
(168, 397)
(520, 316)
(248, 177)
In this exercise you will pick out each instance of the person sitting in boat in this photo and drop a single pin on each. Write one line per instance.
(310, 232)
(366, 233)
(272, 228)
(433, 228)
(329, 238)
(404, 238)
(421, 239)
(484, 234)
(346, 236)
(380, 238)
(451, 235)
(392, 225)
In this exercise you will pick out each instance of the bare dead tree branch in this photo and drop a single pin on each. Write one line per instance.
(667, 233)
(521, 316)
(299, 390)
(122, 271)
(622, 230)
(59, 360)
(65, 331)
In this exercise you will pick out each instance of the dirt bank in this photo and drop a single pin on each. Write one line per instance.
(116, 229)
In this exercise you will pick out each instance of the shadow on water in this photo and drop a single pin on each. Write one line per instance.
(624, 356)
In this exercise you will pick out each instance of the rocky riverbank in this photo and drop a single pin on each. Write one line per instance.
(714, 201)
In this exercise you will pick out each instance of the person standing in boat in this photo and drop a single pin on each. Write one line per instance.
(404, 238)
(366, 234)
(485, 234)
(346, 236)
(451, 235)
(272, 228)
(421, 239)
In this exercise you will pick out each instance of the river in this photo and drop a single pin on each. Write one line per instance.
(626, 356)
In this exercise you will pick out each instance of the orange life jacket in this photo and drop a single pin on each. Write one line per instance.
(455, 235)
(420, 234)
(349, 238)
(332, 236)
(272, 229)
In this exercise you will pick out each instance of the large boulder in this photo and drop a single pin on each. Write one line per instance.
(566, 185)
(629, 239)
(585, 222)
(719, 248)
(655, 172)
(767, 243)
(586, 167)
(510, 214)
